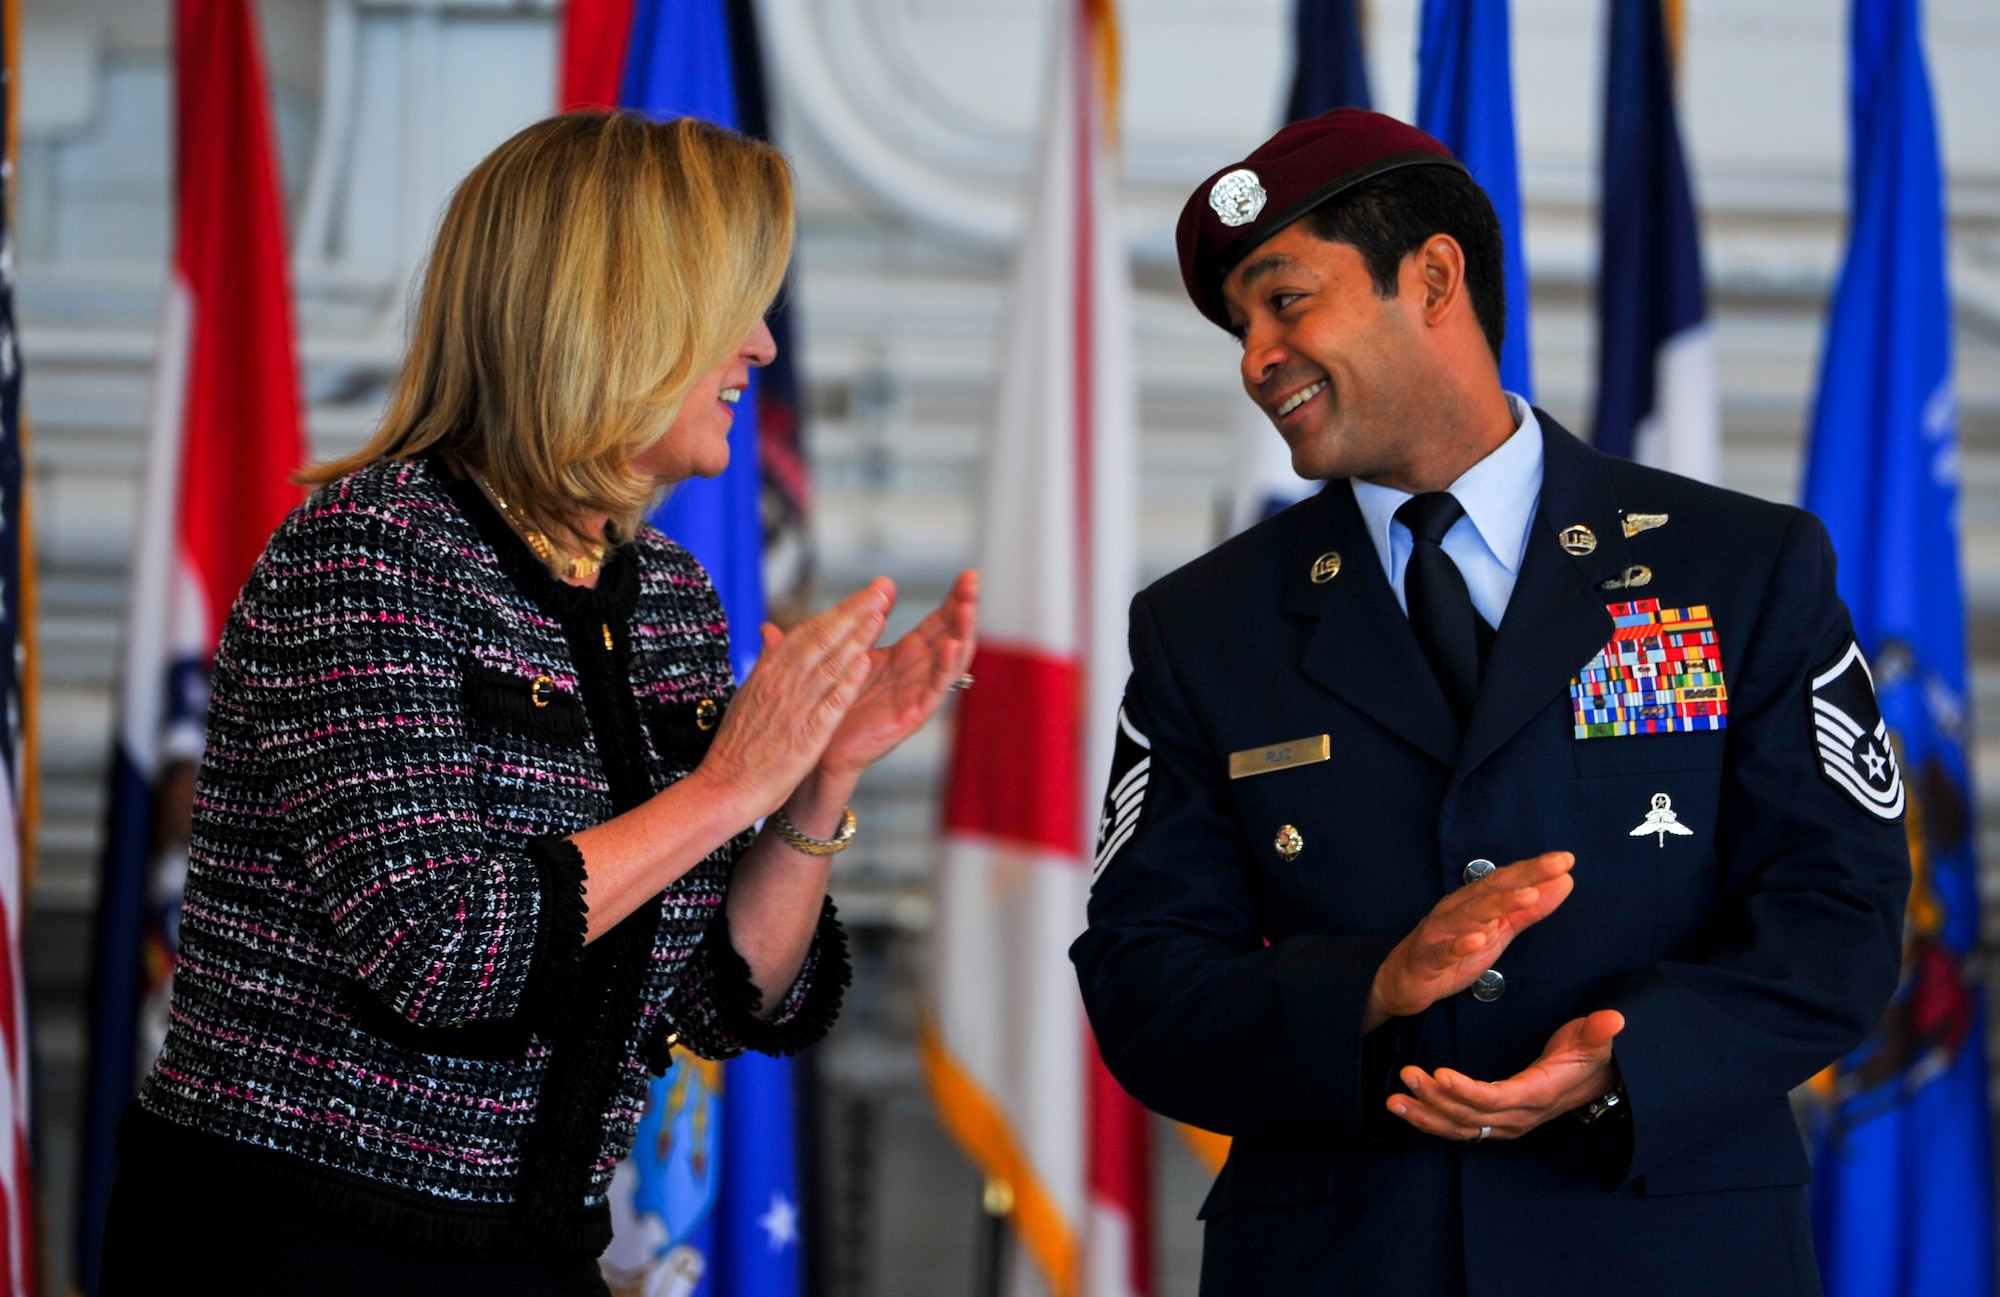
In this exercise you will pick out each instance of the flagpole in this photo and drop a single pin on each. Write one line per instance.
(996, 1203)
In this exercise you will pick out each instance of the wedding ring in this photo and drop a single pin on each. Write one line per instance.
(962, 684)
(1484, 1131)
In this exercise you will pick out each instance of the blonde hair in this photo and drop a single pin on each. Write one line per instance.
(585, 274)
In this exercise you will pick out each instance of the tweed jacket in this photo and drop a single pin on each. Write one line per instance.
(384, 1004)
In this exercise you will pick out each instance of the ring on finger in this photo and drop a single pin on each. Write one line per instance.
(1484, 1131)
(962, 684)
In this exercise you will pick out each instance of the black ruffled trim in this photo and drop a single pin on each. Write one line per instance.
(594, 1034)
(560, 930)
(560, 1151)
(590, 1026)
(224, 1170)
(737, 999)
(657, 1052)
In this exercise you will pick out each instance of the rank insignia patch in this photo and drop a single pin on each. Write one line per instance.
(1855, 754)
(1660, 674)
(1125, 797)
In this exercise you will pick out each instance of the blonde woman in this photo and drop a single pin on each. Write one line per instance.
(473, 844)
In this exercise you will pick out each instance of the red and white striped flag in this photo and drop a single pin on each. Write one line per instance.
(1006, 1047)
(226, 433)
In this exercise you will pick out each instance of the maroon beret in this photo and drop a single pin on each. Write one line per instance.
(1291, 173)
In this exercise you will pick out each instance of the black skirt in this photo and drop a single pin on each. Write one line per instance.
(173, 1227)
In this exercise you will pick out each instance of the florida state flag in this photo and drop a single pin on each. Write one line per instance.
(1006, 1048)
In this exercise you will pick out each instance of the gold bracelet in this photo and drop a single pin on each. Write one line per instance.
(815, 846)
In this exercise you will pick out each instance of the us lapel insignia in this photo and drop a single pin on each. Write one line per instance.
(1326, 567)
(1637, 574)
(1661, 820)
(1660, 674)
(1855, 754)
(1638, 522)
(1577, 539)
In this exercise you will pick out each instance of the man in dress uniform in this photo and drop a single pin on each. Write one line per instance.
(1496, 837)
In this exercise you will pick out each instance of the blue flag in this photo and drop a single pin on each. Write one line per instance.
(1465, 97)
(1903, 1200)
(680, 63)
(710, 1193)
(1330, 68)
(1657, 397)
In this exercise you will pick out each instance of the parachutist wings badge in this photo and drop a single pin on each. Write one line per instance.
(1854, 750)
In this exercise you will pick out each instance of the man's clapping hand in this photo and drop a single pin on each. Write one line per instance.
(1575, 1067)
(1462, 937)
(1464, 934)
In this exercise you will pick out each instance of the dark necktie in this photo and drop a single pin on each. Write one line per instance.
(1441, 610)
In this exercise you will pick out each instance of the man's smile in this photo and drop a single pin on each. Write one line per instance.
(1299, 398)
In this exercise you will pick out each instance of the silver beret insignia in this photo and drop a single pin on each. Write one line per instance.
(1238, 197)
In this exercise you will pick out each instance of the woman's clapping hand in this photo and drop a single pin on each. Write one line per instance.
(906, 683)
(789, 709)
(822, 696)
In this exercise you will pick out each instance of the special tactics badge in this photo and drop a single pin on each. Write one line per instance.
(1854, 750)
(1125, 797)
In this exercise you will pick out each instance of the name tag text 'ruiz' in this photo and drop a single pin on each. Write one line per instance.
(1280, 756)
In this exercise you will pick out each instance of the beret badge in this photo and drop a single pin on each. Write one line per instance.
(1238, 197)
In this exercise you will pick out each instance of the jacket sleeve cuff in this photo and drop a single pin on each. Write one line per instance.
(722, 1016)
(1385, 1052)
(1331, 980)
(561, 925)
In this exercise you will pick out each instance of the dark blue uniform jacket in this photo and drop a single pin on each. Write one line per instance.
(1226, 984)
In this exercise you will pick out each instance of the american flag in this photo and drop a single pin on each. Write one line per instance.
(17, 1262)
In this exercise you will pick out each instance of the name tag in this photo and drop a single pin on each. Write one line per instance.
(1280, 756)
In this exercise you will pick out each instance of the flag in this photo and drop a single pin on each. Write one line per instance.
(689, 59)
(708, 1202)
(593, 53)
(17, 1185)
(226, 434)
(1465, 97)
(1657, 396)
(1007, 1052)
(784, 483)
(1329, 62)
(1903, 1195)
(1329, 70)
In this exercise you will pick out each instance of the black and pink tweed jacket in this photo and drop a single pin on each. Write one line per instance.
(384, 1005)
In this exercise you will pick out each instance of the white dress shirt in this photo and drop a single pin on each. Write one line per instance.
(1499, 495)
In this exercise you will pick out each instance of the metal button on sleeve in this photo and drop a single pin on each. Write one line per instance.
(1477, 869)
(1489, 986)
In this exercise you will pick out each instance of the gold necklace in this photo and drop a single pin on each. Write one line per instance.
(579, 567)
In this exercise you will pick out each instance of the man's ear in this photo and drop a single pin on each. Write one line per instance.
(1441, 270)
